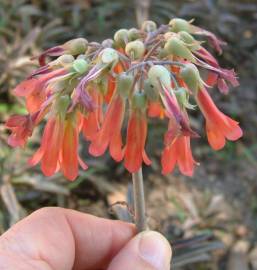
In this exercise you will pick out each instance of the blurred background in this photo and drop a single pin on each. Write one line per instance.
(215, 212)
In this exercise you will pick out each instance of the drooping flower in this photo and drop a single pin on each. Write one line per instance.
(59, 144)
(110, 132)
(93, 119)
(219, 76)
(219, 126)
(178, 152)
(69, 158)
(21, 127)
(155, 110)
(136, 138)
(34, 89)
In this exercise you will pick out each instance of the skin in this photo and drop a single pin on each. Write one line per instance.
(62, 239)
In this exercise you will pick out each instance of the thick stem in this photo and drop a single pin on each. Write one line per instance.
(139, 201)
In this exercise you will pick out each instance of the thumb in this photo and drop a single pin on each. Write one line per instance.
(147, 251)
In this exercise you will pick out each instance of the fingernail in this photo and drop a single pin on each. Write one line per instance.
(155, 250)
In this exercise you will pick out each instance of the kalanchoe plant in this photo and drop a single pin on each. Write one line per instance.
(98, 89)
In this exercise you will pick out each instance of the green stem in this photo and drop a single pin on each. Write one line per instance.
(139, 201)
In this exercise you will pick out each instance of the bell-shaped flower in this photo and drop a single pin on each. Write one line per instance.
(136, 135)
(219, 126)
(59, 144)
(21, 127)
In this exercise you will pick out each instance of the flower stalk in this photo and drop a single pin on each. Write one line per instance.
(139, 201)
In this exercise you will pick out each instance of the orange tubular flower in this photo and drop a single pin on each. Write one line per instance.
(34, 89)
(178, 152)
(112, 83)
(69, 159)
(218, 125)
(155, 110)
(21, 127)
(110, 132)
(59, 148)
(136, 137)
(91, 122)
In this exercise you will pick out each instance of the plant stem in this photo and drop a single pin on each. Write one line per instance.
(139, 201)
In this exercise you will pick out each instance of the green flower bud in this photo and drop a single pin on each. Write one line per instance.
(61, 105)
(82, 56)
(149, 26)
(121, 37)
(162, 53)
(65, 60)
(109, 56)
(150, 91)
(178, 25)
(135, 49)
(124, 84)
(183, 98)
(133, 34)
(80, 66)
(191, 76)
(158, 74)
(107, 43)
(189, 40)
(177, 47)
(76, 46)
(139, 100)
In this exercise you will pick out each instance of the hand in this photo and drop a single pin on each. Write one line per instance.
(62, 239)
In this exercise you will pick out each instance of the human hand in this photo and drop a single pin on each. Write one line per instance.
(62, 239)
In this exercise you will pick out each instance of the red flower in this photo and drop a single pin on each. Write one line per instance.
(110, 132)
(136, 136)
(218, 125)
(178, 152)
(59, 148)
(34, 89)
(21, 127)
(155, 110)
(91, 122)
(112, 83)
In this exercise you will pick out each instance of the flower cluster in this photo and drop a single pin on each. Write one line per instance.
(97, 89)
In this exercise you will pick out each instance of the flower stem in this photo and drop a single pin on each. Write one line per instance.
(139, 200)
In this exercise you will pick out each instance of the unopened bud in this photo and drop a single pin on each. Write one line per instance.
(65, 60)
(139, 100)
(189, 40)
(176, 47)
(181, 95)
(76, 46)
(162, 54)
(80, 66)
(121, 37)
(62, 104)
(135, 49)
(149, 26)
(109, 56)
(178, 25)
(191, 76)
(133, 34)
(159, 75)
(124, 84)
(183, 98)
(107, 43)
(150, 91)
